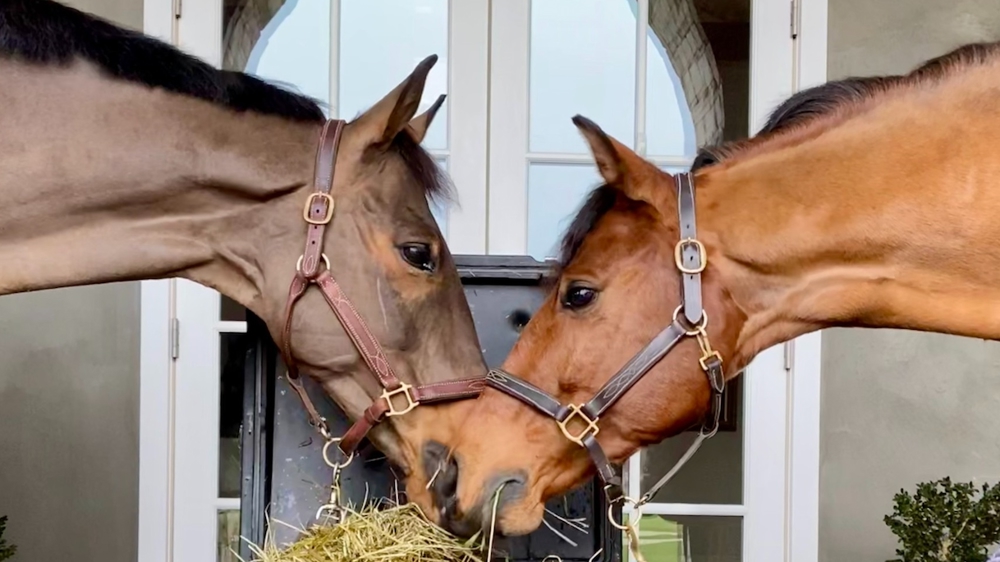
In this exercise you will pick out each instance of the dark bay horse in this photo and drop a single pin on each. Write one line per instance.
(122, 158)
(865, 203)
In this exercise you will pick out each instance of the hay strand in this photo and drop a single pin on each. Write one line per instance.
(399, 533)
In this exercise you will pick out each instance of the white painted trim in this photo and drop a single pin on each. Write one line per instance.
(226, 504)
(804, 466)
(155, 399)
(693, 510)
(199, 30)
(468, 122)
(766, 380)
(334, 93)
(764, 453)
(641, 30)
(805, 430)
(231, 327)
(507, 223)
(566, 158)
(196, 491)
(155, 375)
(158, 19)
(196, 459)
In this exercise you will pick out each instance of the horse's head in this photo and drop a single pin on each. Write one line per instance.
(384, 250)
(617, 288)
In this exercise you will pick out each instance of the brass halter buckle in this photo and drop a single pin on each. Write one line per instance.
(307, 209)
(406, 391)
(679, 256)
(591, 430)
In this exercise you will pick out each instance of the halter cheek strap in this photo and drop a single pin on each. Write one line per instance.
(313, 268)
(690, 320)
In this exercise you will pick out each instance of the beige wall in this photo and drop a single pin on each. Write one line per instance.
(69, 409)
(900, 407)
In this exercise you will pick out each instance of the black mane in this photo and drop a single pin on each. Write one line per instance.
(800, 108)
(49, 33)
(598, 203)
(45, 32)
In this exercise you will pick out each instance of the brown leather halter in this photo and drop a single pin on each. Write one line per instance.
(318, 213)
(691, 259)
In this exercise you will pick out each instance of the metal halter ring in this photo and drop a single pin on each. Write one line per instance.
(326, 455)
(298, 264)
(702, 324)
(625, 500)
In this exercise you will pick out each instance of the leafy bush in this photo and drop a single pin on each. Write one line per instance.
(6, 550)
(946, 522)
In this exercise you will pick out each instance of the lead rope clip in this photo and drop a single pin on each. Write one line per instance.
(334, 510)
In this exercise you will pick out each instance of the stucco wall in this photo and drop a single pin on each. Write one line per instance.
(900, 407)
(69, 409)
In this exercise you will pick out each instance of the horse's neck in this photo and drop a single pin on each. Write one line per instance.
(106, 181)
(889, 220)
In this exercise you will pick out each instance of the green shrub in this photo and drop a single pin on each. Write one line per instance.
(6, 550)
(946, 522)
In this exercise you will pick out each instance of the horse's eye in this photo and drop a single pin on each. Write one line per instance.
(578, 296)
(418, 255)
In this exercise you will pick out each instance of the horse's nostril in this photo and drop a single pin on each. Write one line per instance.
(504, 489)
(442, 473)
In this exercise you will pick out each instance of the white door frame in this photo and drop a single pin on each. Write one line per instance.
(156, 377)
(793, 430)
(810, 19)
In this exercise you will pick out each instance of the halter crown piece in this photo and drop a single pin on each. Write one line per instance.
(398, 397)
(690, 320)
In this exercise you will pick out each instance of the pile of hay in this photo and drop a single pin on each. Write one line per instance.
(399, 533)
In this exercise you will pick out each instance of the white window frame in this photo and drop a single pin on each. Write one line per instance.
(179, 397)
(491, 182)
(780, 513)
(810, 56)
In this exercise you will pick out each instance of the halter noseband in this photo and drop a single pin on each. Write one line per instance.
(318, 213)
(689, 320)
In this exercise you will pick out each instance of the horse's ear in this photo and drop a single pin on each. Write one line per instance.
(417, 128)
(618, 164)
(606, 155)
(385, 120)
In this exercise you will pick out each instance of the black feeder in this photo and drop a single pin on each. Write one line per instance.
(285, 478)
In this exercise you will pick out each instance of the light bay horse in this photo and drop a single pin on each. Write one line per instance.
(869, 202)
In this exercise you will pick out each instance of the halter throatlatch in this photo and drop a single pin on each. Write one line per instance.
(313, 268)
(689, 321)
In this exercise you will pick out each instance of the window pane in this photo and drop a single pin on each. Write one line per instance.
(228, 537)
(381, 41)
(280, 41)
(232, 358)
(697, 75)
(555, 194)
(666, 538)
(231, 311)
(582, 61)
(715, 474)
